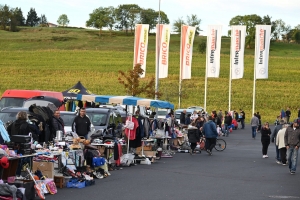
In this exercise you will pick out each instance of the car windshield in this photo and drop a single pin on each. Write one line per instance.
(8, 116)
(177, 115)
(68, 118)
(162, 112)
(98, 119)
(15, 102)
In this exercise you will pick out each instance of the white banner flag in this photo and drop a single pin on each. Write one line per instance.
(238, 34)
(213, 50)
(186, 51)
(140, 46)
(262, 46)
(162, 46)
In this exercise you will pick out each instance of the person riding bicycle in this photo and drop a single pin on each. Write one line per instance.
(211, 134)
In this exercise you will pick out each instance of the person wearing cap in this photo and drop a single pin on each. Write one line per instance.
(292, 143)
(273, 139)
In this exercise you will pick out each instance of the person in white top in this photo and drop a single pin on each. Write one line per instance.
(194, 116)
(281, 145)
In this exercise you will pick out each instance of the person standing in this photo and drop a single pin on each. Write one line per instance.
(281, 145)
(194, 116)
(242, 118)
(211, 134)
(227, 123)
(265, 139)
(259, 118)
(273, 138)
(182, 117)
(298, 113)
(288, 115)
(58, 122)
(292, 144)
(81, 124)
(194, 136)
(254, 125)
(188, 119)
(282, 114)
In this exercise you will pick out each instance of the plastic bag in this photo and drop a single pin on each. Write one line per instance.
(127, 159)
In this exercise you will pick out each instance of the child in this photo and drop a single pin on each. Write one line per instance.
(277, 120)
(219, 130)
(235, 124)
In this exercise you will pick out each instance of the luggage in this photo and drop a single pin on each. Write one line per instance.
(20, 138)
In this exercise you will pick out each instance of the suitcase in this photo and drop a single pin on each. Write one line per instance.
(20, 138)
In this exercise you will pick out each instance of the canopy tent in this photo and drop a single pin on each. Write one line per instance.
(72, 92)
(125, 100)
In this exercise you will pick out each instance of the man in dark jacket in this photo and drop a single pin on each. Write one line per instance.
(211, 134)
(273, 138)
(242, 118)
(292, 143)
(182, 117)
(81, 124)
(58, 122)
(227, 122)
(288, 115)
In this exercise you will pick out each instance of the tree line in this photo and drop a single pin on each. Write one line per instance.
(125, 16)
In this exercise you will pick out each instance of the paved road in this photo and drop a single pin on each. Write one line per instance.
(238, 173)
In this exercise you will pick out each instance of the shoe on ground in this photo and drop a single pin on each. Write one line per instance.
(283, 164)
(292, 172)
(266, 156)
(278, 162)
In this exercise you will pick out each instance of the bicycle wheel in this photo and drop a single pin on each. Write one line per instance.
(220, 145)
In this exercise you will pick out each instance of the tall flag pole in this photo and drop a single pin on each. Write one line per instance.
(213, 51)
(157, 54)
(261, 58)
(238, 34)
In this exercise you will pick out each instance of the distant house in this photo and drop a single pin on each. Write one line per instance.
(52, 25)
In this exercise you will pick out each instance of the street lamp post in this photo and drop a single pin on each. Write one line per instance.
(157, 54)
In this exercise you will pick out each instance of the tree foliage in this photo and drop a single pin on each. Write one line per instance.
(250, 21)
(177, 25)
(132, 84)
(44, 21)
(63, 20)
(11, 17)
(4, 16)
(99, 19)
(32, 18)
(127, 15)
(194, 21)
(202, 46)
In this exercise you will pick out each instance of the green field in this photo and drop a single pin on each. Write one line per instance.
(55, 59)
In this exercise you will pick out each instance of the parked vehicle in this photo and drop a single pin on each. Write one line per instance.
(105, 119)
(16, 98)
(162, 113)
(44, 101)
(197, 108)
(179, 111)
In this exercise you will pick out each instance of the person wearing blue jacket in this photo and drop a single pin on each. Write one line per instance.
(211, 134)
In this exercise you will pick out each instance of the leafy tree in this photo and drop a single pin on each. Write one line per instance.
(250, 21)
(163, 18)
(13, 23)
(149, 16)
(99, 18)
(177, 25)
(44, 21)
(297, 27)
(32, 18)
(296, 36)
(4, 16)
(127, 16)
(132, 84)
(19, 17)
(63, 20)
(194, 21)
(111, 18)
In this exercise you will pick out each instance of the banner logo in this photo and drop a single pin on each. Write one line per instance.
(262, 45)
(237, 46)
(213, 46)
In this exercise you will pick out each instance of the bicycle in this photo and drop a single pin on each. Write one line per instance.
(220, 144)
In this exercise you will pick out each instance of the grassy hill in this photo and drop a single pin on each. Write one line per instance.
(56, 58)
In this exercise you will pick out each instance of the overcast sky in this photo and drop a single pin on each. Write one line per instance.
(212, 12)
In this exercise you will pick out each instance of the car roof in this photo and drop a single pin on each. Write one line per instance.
(68, 112)
(13, 109)
(98, 110)
(187, 110)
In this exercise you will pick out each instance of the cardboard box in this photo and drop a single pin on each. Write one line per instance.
(47, 168)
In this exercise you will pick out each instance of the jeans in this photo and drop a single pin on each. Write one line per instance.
(278, 155)
(226, 129)
(193, 146)
(254, 131)
(243, 123)
(292, 157)
(283, 155)
(210, 143)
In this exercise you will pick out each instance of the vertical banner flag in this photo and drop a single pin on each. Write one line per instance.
(213, 50)
(162, 46)
(186, 51)
(238, 35)
(140, 46)
(262, 45)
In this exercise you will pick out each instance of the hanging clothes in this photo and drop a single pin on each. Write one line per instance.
(146, 128)
(3, 132)
(132, 133)
(141, 121)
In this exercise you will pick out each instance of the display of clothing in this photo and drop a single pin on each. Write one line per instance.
(132, 133)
